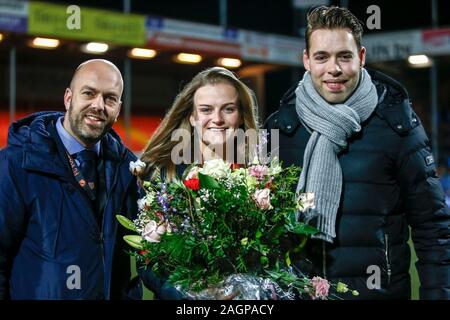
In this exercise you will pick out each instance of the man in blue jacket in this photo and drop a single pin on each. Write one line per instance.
(64, 178)
(366, 157)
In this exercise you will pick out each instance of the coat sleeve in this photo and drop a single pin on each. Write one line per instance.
(12, 219)
(161, 288)
(426, 212)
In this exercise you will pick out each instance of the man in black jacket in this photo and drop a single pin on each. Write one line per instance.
(367, 159)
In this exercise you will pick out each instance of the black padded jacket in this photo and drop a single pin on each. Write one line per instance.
(390, 187)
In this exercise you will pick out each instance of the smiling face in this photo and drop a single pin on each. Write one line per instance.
(334, 63)
(92, 102)
(216, 109)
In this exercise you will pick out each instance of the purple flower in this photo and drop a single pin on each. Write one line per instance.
(162, 201)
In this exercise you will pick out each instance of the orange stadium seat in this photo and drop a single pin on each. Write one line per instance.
(141, 129)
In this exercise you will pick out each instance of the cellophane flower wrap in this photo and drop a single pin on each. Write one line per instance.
(226, 232)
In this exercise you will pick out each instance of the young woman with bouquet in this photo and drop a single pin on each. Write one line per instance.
(215, 222)
(215, 103)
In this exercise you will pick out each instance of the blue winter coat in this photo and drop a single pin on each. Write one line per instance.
(389, 184)
(51, 246)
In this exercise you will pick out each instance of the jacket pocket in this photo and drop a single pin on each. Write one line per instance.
(387, 258)
(44, 227)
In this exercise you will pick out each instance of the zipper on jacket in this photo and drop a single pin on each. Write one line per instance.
(102, 245)
(324, 260)
(386, 253)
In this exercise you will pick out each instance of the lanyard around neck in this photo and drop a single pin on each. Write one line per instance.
(80, 178)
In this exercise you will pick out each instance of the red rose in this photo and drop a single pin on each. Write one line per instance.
(193, 184)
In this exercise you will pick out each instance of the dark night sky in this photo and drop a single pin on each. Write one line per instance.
(276, 16)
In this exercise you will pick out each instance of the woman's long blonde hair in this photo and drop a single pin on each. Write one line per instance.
(157, 153)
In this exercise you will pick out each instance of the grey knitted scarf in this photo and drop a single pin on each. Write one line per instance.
(331, 125)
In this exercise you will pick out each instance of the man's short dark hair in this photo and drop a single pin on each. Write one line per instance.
(333, 18)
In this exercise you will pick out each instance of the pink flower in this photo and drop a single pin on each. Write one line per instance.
(258, 171)
(152, 231)
(193, 174)
(320, 288)
(262, 198)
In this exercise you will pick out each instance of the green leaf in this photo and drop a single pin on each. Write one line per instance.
(127, 223)
(288, 259)
(207, 182)
(134, 240)
(273, 274)
(301, 228)
(264, 261)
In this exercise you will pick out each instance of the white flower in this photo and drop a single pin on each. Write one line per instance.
(146, 202)
(255, 160)
(216, 168)
(305, 201)
(262, 198)
(152, 231)
(141, 204)
(275, 167)
(137, 167)
(238, 175)
(251, 182)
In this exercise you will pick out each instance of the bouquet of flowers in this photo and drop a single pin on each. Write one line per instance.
(224, 232)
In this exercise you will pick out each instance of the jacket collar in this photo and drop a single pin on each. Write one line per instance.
(44, 151)
(71, 144)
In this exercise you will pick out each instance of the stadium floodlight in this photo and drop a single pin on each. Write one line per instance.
(188, 58)
(419, 61)
(229, 62)
(142, 53)
(95, 47)
(45, 43)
